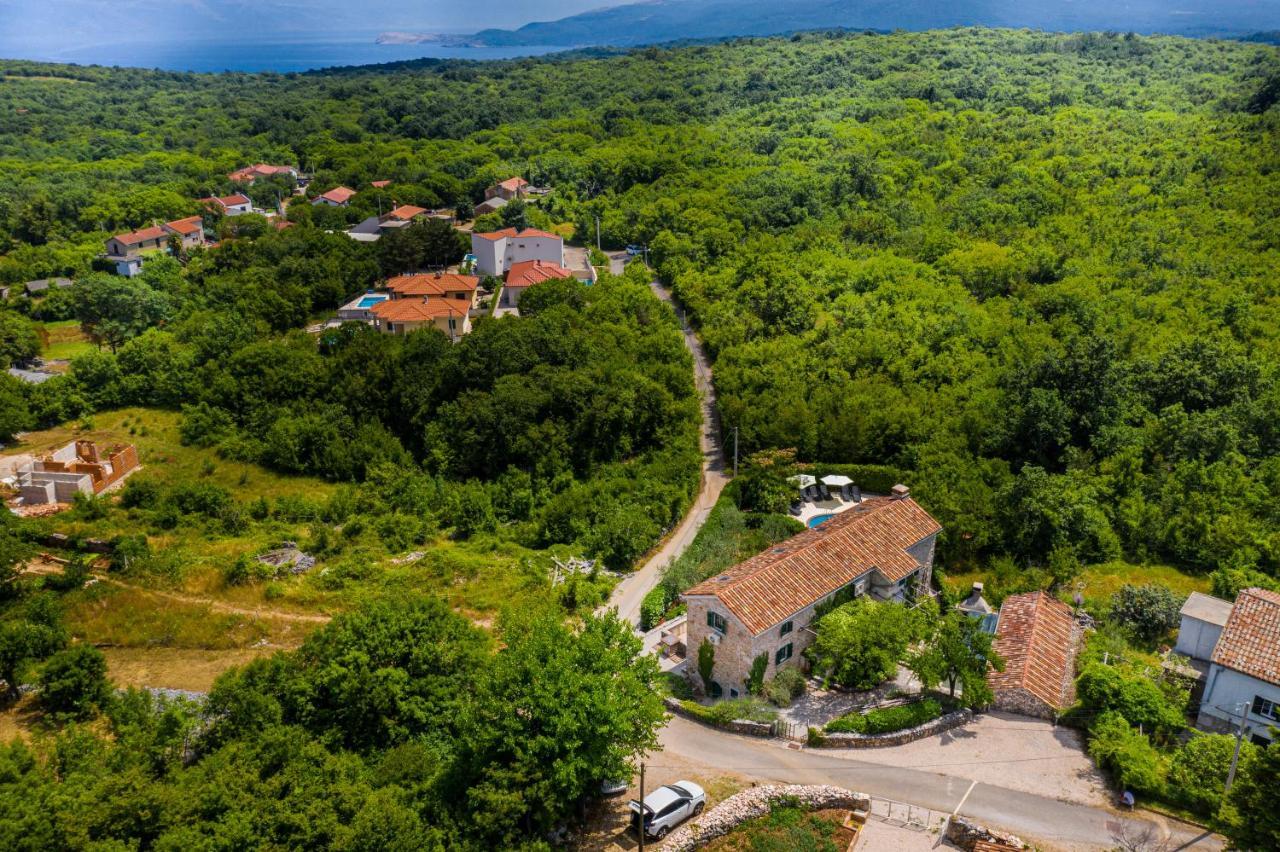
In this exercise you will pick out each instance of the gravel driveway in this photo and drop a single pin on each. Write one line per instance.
(1003, 750)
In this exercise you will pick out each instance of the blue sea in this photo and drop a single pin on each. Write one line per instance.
(284, 56)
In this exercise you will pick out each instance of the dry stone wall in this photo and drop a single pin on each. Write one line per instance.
(893, 738)
(755, 803)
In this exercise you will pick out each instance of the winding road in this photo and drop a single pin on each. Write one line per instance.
(629, 593)
(1054, 824)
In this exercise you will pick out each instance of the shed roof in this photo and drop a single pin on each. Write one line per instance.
(530, 272)
(1036, 638)
(1207, 608)
(1250, 641)
(804, 569)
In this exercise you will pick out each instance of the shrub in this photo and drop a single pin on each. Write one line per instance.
(1150, 611)
(74, 682)
(675, 685)
(706, 663)
(1197, 773)
(652, 608)
(755, 678)
(1103, 688)
(887, 719)
(140, 493)
(785, 687)
(1128, 755)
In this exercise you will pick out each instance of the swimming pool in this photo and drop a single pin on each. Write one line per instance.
(370, 300)
(819, 520)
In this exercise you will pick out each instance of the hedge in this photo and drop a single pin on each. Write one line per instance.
(722, 713)
(887, 719)
(870, 478)
(653, 607)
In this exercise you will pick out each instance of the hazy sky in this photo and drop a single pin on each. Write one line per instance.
(41, 22)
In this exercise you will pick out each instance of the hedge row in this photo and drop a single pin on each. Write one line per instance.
(887, 719)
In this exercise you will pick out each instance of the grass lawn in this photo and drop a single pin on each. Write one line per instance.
(66, 341)
(789, 829)
(174, 668)
(1099, 582)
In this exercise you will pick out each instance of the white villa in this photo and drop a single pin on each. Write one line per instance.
(498, 251)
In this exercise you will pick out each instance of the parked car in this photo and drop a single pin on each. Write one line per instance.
(614, 788)
(635, 250)
(667, 807)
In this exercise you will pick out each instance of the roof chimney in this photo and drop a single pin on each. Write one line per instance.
(901, 492)
(977, 588)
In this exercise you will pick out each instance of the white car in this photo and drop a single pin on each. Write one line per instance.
(667, 807)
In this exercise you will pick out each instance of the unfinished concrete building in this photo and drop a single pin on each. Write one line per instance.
(76, 468)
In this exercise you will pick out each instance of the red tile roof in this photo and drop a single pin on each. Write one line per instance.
(405, 212)
(430, 284)
(187, 226)
(381, 184)
(514, 183)
(530, 272)
(417, 310)
(1036, 636)
(146, 234)
(1250, 643)
(512, 232)
(806, 568)
(228, 200)
(250, 173)
(339, 195)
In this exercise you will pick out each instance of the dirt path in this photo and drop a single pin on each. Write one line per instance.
(629, 593)
(216, 605)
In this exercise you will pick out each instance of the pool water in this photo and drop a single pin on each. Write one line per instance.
(819, 520)
(370, 301)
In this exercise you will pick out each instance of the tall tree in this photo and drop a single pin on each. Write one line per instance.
(958, 652)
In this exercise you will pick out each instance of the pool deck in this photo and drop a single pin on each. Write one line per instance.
(834, 506)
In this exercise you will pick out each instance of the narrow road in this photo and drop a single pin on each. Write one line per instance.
(1055, 824)
(629, 593)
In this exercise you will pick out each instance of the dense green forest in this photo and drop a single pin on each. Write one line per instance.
(1036, 274)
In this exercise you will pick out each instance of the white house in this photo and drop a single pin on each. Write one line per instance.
(1244, 671)
(339, 196)
(498, 251)
(230, 205)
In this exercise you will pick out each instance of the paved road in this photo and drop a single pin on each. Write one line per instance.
(1054, 824)
(628, 594)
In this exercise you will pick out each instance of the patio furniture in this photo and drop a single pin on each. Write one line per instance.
(826, 495)
(856, 494)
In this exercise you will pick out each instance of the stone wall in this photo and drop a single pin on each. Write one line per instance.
(967, 834)
(734, 650)
(755, 803)
(738, 726)
(893, 738)
(1022, 702)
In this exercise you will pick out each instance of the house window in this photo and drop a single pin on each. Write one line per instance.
(716, 622)
(784, 654)
(786, 628)
(733, 693)
(1266, 709)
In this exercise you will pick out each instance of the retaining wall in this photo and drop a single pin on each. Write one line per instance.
(757, 802)
(738, 726)
(967, 834)
(893, 738)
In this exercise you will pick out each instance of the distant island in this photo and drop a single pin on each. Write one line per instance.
(657, 21)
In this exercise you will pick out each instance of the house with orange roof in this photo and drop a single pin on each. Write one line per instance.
(189, 231)
(1038, 638)
(1243, 681)
(402, 316)
(458, 289)
(498, 251)
(882, 548)
(339, 196)
(401, 216)
(521, 276)
(129, 251)
(249, 174)
(230, 205)
(508, 190)
(381, 184)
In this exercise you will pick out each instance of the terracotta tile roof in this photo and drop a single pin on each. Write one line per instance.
(786, 578)
(228, 200)
(339, 195)
(514, 183)
(134, 237)
(1036, 636)
(1250, 643)
(512, 232)
(187, 226)
(417, 310)
(430, 284)
(406, 212)
(381, 184)
(530, 272)
(249, 173)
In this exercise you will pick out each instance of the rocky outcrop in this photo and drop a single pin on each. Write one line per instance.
(893, 738)
(755, 803)
(967, 834)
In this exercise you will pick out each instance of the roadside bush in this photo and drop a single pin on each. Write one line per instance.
(1103, 688)
(785, 687)
(1127, 754)
(652, 608)
(675, 685)
(1198, 771)
(751, 709)
(74, 682)
(1150, 611)
(887, 719)
(755, 678)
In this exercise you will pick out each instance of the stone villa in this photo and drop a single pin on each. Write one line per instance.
(882, 548)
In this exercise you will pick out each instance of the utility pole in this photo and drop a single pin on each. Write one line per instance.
(735, 452)
(641, 783)
(600, 249)
(1235, 758)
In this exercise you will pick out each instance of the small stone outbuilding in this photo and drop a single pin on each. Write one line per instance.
(1038, 638)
